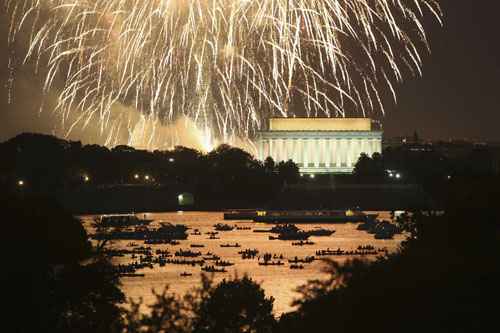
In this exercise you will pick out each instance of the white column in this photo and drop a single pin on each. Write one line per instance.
(356, 151)
(374, 146)
(369, 147)
(352, 151)
(327, 152)
(282, 149)
(338, 152)
(363, 147)
(261, 149)
(348, 152)
(316, 152)
(345, 151)
(270, 146)
(300, 150)
(305, 143)
(295, 150)
(289, 150)
(286, 149)
(275, 149)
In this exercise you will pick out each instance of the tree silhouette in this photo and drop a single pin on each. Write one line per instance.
(237, 305)
(54, 278)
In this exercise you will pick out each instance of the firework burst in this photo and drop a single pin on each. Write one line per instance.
(225, 64)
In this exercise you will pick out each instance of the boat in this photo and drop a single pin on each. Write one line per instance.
(302, 243)
(223, 227)
(291, 236)
(271, 263)
(190, 262)
(187, 253)
(261, 230)
(240, 214)
(320, 232)
(213, 269)
(243, 228)
(306, 260)
(316, 216)
(121, 220)
(132, 274)
(223, 263)
(165, 234)
(284, 228)
(288, 232)
(196, 232)
(212, 257)
(253, 252)
(381, 229)
(230, 245)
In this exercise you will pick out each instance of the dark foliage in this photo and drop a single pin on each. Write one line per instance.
(50, 165)
(232, 306)
(55, 281)
(370, 169)
(443, 280)
(237, 305)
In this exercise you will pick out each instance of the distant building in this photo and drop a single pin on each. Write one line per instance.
(320, 145)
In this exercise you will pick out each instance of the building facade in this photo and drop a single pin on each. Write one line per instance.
(319, 145)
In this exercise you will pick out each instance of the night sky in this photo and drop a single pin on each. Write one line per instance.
(458, 97)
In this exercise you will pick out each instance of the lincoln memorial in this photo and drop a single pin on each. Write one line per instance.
(319, 145)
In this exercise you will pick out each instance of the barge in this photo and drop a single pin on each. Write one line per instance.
(315, 216)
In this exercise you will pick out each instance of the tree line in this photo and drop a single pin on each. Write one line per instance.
(46, 164)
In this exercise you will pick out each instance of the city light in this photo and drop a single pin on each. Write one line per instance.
(20, 182)
(398, 176)
(86, 178)
(171, 159)
(311, 176)
(136, 176)
(146, 177)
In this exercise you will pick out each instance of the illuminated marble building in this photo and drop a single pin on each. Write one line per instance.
(320, 145)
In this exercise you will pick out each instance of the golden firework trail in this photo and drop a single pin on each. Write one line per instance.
(225, 64)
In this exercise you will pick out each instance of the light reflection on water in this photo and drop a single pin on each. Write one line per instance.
(277, 281)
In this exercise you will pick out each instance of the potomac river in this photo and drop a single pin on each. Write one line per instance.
(277, 281)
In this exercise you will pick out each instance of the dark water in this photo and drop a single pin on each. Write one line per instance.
(278, 281)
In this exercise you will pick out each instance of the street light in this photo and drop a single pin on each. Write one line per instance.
(171, 160)
(136, 176)
(312, 176)
(146, 177)
(86, 178)
(20, 183)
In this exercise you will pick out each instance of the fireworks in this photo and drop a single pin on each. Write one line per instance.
(225, 64)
